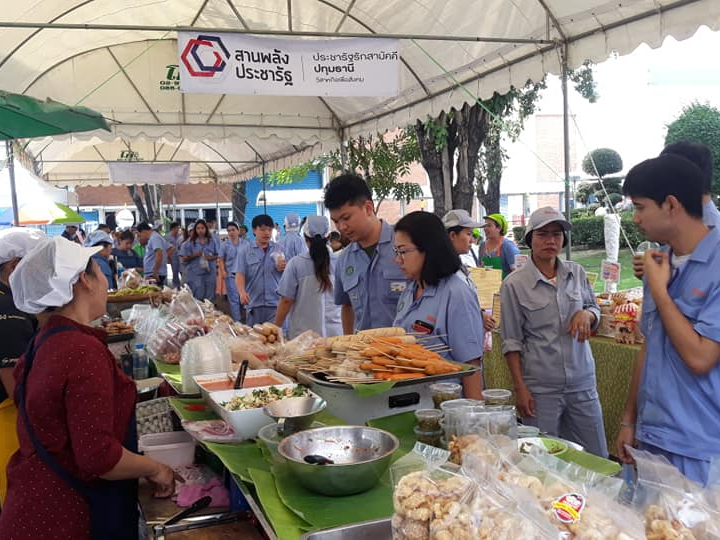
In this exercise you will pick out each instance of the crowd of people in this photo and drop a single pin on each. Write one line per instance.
(77, 463)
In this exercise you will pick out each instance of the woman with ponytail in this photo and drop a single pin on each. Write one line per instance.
(306, 287)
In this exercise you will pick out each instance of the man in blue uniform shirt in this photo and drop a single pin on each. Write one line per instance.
(673, 402)
(258, 269)
(368, 283)
(292, 243)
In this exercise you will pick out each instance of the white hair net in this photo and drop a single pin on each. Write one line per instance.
(17, 241)
(45, 276)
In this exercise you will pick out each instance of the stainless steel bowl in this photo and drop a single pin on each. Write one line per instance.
(361, 455)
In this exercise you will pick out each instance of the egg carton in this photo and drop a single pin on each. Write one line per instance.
(154, 416)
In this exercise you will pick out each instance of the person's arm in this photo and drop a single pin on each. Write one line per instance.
(133, 465)
(170, 251)
(585, 321)
(629, 414)
(158, 262)
(284, 307)
(7, 380)
(347, 316)
(510, 250)
(240, 284)
(221, 266)
(700, 353)
(473, 384)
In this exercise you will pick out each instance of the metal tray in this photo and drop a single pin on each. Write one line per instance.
(378, 529)
(117, 338)
(319, 378)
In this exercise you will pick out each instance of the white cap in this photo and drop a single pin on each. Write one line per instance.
(292, 221)
(17, 242)
(316, 225)
(98, 237)
(45, 276)
(460, 218)
(544, 216)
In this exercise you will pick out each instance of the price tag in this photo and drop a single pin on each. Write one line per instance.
(520, 260)
(610, 271)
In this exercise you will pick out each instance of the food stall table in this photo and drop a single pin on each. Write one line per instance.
(278, 501)
(614, 364)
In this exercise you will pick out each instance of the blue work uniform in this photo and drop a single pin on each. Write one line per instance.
(312, 309)
(128, 259)
(174, 259)
(449, 310)
(261, 281)
(372, 286)
(293, 244)
(106, 270)
(711, 215)
(678, 410)
(558, 370)
(156, 242)
(228, 253)
(202, 282)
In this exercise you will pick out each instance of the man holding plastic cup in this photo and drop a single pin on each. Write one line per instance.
(673, 403)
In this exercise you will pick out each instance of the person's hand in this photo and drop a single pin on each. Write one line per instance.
(524, 402)
(626, 437)
(281, 264)
(244, 298)
(488, 322)
(581, 325)
(163, 481)
(638, 266)
(199, 254)
(156, 277)
(223, 275)
(657, 270)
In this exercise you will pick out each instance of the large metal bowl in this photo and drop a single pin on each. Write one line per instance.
(361, 455)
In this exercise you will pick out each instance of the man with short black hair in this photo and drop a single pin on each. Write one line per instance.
(673, 403)
(155, 259)
(258, 268)
(368, 282)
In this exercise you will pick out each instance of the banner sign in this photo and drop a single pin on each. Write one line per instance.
(243, 64)
(132, 172)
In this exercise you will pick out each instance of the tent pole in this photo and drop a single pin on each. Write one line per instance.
(13, 192)
(566, 142)
(264, 186)
(218, 221)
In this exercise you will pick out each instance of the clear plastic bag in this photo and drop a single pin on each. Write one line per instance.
(217, 431)
(201, 356)
(166, 343)
(130, 279)
(185, 308)
(672, 505)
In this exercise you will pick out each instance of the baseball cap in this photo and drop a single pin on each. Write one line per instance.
(501, 221)
(98, 237)
(459, 218)
(292, 221)
(316, 225)
(17, 242)
(45, 276)
(543, 216)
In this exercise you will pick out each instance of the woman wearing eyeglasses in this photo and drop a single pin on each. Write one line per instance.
(438, 302)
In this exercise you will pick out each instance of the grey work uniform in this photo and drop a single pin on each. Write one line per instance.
(558, 370)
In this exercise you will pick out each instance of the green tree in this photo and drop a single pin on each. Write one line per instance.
(606, 160)
(699, 123)
(469, 140)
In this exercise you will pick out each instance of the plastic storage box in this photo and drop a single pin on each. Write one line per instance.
(174, 449)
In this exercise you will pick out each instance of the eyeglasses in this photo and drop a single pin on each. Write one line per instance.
(401, 253)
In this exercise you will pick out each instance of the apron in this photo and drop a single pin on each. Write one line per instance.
(112, 504)
(493, 261)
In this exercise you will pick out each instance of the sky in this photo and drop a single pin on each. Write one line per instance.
(640, 93)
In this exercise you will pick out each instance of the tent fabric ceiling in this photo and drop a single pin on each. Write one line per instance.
(123, 73)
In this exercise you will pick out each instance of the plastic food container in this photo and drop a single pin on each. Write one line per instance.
(255, 378)
(174, 449)
(272, 437)
(497, 396)
(428, 419)
(433, 438)
(527, 431)
(442, 392)
(247, 422)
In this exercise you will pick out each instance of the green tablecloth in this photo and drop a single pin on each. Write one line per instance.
(613, 369)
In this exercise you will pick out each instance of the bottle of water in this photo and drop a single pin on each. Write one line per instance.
(140, 363)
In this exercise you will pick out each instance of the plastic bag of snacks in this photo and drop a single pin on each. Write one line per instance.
(167, 342)
(487, 420)
(673, 506)
(185, 308)
(200, 356)
(130, 279)
(249, 348)
(148, 321)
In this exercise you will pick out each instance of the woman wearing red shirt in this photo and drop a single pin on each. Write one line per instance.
(75, 474)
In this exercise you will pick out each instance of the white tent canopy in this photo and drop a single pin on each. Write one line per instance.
(30, 188)
(119, 66)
